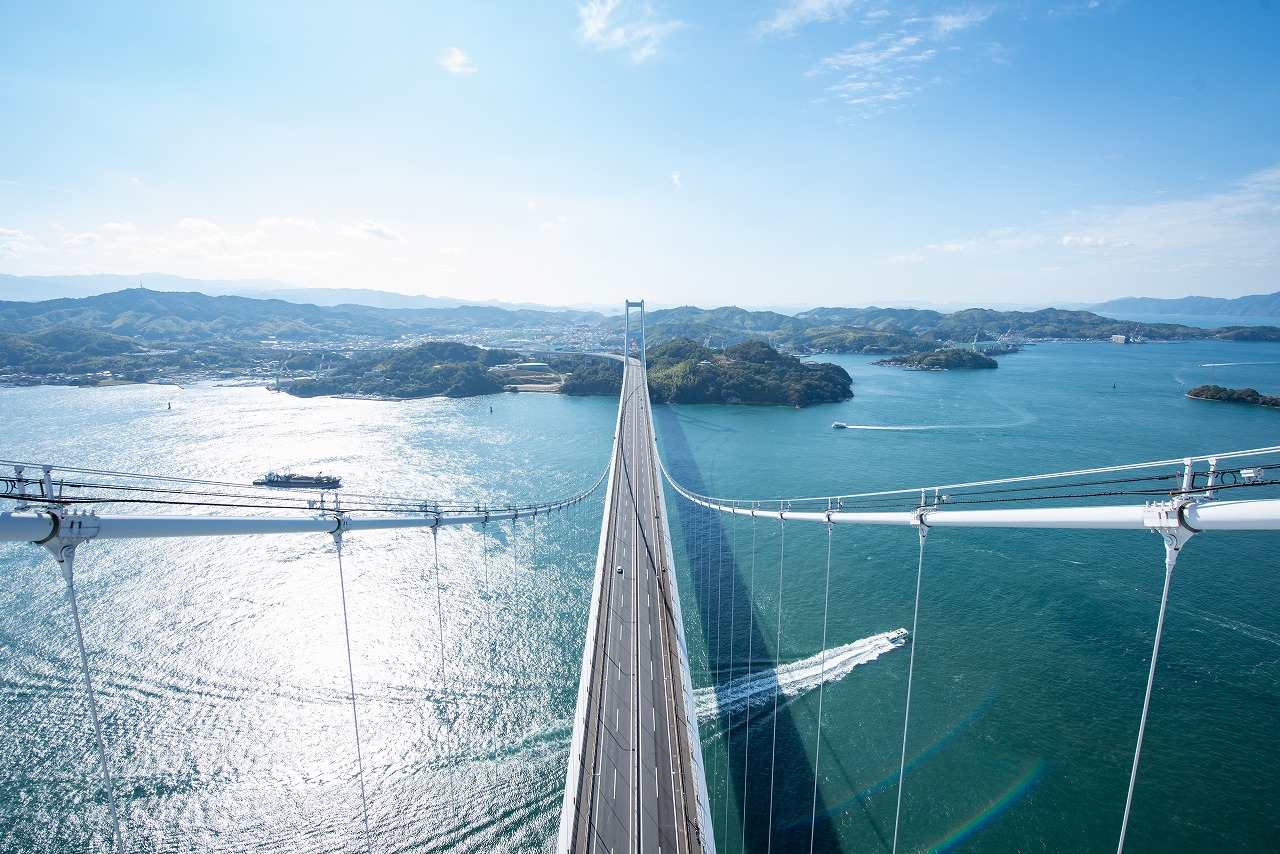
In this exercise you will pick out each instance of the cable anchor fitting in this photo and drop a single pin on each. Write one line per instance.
(340, 523)
(1168, 519)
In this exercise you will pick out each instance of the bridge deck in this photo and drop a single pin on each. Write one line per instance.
(638, 784)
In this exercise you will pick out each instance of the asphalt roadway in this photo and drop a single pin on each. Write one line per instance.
(636, 791)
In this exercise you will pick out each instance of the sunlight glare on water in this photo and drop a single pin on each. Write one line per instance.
(221, 665)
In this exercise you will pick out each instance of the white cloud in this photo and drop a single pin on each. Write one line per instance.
(271, 222)
(1233, 235)
(455, 62)
(14, 242)
(370, 230)
(205, 248)
(1084, 242)
(87, 239)
(675, 179)
(947, 23)
(623, 25)
(1064, 10)
(878, 72)
(884, 55)
(119, 226)
(881, 70)
(800, 12)
(196, 225)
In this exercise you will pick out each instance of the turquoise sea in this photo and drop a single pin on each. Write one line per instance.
(221, 663)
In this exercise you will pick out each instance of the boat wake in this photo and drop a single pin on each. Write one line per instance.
(790, 680)
(893, 428)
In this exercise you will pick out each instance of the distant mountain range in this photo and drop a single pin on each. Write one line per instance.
(1257, 305)
(187, 317)
(176, 318)
(39, 288)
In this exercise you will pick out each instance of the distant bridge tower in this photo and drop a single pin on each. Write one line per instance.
(626, 330)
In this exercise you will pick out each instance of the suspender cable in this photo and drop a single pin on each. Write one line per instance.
(708, 574)
(715, 771)
(67, 571)
(777, 662)
(911, 669)
(444, 680)
(733, 631)
(351, 679)
(751, 635)
(435, 557)
(822, 681)
(1171, 557)
(493, 653)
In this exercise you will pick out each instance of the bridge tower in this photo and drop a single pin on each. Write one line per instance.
(626, 331)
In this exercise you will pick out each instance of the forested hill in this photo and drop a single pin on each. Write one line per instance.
(1234, 395)
(1254, 305)
(189, 317)
(963, 325)
(186, 318)
(683, 371)
(907, 330)
(437, 368)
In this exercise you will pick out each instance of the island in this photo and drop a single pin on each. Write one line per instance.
(438, 368)
(1234, 395)
(750, 373)
(940, 360)
(590, 377)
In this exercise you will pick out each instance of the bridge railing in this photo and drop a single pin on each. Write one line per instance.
(569, 809)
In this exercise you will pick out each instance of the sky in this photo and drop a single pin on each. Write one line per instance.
(753, 152)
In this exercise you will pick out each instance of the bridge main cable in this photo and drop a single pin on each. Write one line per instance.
(54, 517)
(1191, 507)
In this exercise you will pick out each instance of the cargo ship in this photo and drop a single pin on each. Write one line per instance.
(299, 481)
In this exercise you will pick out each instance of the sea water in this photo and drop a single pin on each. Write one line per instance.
(1033, 647)
(221, 663)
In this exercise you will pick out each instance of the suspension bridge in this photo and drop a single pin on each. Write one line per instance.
(635, 779)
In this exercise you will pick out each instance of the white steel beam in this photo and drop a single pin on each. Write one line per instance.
(35, 526)
(1253, 515)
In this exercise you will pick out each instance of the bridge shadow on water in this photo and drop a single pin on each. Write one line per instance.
(718, 580)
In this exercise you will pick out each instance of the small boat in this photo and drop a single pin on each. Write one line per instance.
(288, 480)
(839, 425)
